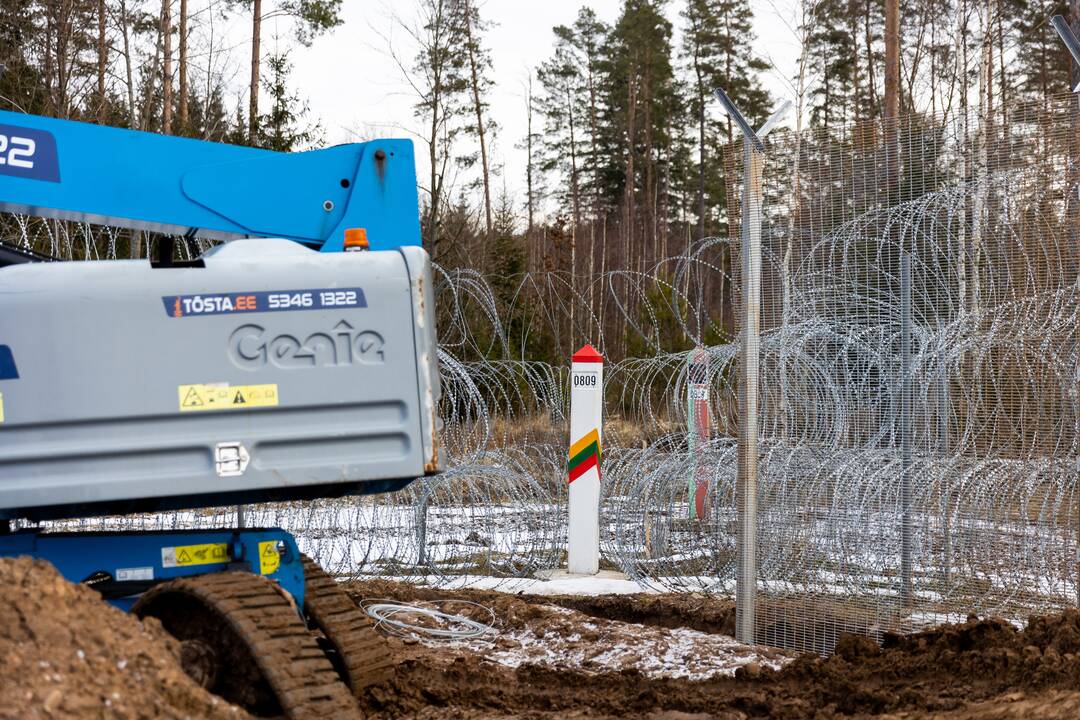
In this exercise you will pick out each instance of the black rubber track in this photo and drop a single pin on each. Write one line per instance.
(365, 658)
(289, 659)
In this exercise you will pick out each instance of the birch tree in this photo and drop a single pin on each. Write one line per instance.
(478, 61)
(436, 76)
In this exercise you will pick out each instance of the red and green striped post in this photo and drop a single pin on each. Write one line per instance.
(583, 466)
(698, 429)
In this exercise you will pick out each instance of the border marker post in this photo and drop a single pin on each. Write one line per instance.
(583, 466)
(698, 428)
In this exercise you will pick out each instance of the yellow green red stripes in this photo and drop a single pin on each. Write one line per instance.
(584, 454)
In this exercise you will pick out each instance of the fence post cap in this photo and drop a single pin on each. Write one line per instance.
(587, 354)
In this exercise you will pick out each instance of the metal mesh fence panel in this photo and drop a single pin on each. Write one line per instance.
(920, 454)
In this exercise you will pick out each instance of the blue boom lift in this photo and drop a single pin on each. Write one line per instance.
(273, 368)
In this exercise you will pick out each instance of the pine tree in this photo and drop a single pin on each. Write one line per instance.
(22, 84)
(208, 118)
(718, 47)
(480, 126)
(505, 265)
(238, 129)
(311, 18)
(562, 100)
(283, 128)
(572, 90)
(437, 75)
(638, 139)
(1044, 65)
(531, 143)
(833, 59)
(589, 36)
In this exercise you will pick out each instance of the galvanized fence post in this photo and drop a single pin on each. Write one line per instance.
(943, 407)
(421, 512)
(749, 357)
(746, 486)
(906, 520)
(1061, 25)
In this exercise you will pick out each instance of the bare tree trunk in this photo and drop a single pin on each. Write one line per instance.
(126, 32)
(594, 214)
(856, 87)
(478, 107)
(933, 63)
(1073, 210)
(102, 60)
(892, 97)
(529, 155)
(50, 67)
(575, 201)
(982, 140)
(433, 159)
(253, 88)
(594, 155)
(576, 209)
(961, 234)
(1003, 85)
(60, 28)
(166, 71)
(66, 52)
(63, 42)
(796, 189)
(148, 111)
(182, 109)
(650, 179)
(699, 87)
(628, 227)
(701, 149)
(603, 273)
(871, 82)
(208, 131)
(435, 41)
(436, 179)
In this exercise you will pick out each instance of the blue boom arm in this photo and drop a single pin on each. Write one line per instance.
(91, 173)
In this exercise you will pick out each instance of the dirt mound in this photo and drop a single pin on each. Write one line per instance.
(64, 653)
(943, 668)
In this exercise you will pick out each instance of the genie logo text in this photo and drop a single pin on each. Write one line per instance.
(252, 347)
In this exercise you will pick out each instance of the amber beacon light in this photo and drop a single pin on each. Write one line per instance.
(356, 240)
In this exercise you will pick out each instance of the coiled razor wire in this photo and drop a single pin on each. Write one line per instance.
(995, 407)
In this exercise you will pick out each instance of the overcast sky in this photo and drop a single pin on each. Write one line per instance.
(356, 90)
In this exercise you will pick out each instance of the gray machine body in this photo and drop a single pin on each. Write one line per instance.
(272, 372)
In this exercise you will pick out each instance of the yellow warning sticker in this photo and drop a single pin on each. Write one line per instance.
(184, 555)
(1, 407)
(269, 559)
(226, 397)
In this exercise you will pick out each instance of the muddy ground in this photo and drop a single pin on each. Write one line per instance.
(66, 654)
(980, 669)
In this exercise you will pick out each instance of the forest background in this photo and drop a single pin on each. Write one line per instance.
(626, 160)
